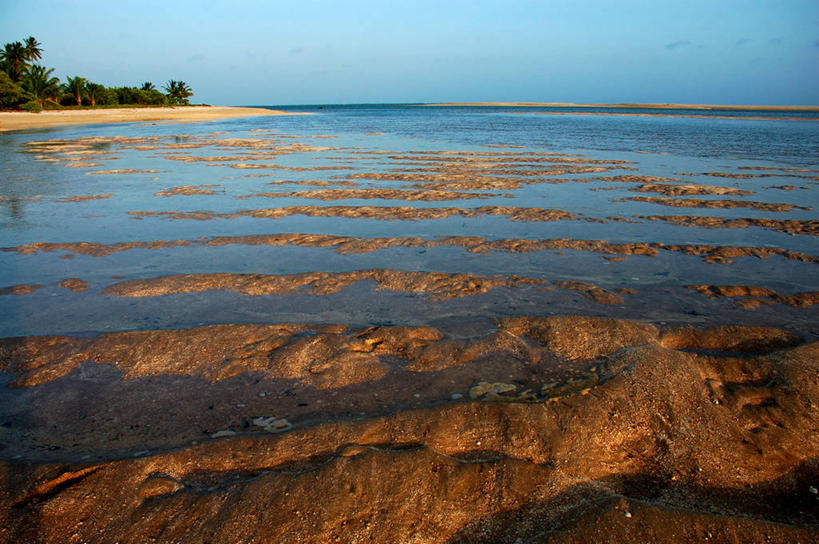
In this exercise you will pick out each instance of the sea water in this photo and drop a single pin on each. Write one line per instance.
(98, 184)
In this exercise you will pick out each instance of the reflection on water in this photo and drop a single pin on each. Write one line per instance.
(526, 195)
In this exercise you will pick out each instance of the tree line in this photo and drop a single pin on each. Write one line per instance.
(24, 84)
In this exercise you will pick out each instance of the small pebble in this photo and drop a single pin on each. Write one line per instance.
(813, 490)
(456, 396)
(628, 514)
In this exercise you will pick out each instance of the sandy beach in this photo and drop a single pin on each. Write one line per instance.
(14, 120)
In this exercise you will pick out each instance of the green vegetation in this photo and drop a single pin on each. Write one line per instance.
(40, 85)
(178, 92)
(76, 86)
(31, 87)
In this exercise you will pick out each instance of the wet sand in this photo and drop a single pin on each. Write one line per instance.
(690, 189)
(437, 285)
(559, 429)
(725, 204)
(790, 226)
(347, 245)
(381, 194)
(46, 119)
(753, 297)
(382, 213)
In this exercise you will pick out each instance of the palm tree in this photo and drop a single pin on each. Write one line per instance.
(147, 86)
(178, 92)
(14, 59)
(33, 49)
(39, 83)
(94, 91)
(76, 86)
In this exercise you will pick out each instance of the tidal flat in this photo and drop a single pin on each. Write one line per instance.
(407, 324)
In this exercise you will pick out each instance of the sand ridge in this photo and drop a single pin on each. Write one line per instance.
(381, 213)
(347, 245)
(437, 285)
(791, 226)
(724, 204)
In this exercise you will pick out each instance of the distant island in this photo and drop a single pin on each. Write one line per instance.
(26, 85)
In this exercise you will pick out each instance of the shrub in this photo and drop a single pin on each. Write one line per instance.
(11, 94)
(32, 106)
(108, 98)
(66, 99)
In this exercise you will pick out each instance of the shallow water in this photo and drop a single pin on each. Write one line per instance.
(390, 151)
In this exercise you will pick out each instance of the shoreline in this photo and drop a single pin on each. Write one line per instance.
(622, 106)
(14, 120)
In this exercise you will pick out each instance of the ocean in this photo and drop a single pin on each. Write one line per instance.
(362, 215)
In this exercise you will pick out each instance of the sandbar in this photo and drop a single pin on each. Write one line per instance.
(346, 245)
(631, 106)
(20, 120)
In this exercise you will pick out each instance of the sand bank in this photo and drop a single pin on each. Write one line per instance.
(652, 110)
(633, 106)
(438, 285)
(20, 120)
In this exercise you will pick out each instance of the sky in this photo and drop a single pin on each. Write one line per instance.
(247, 52)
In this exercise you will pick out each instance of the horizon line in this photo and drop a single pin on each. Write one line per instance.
(633, 105)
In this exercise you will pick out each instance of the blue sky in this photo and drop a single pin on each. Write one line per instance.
(302, 52)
